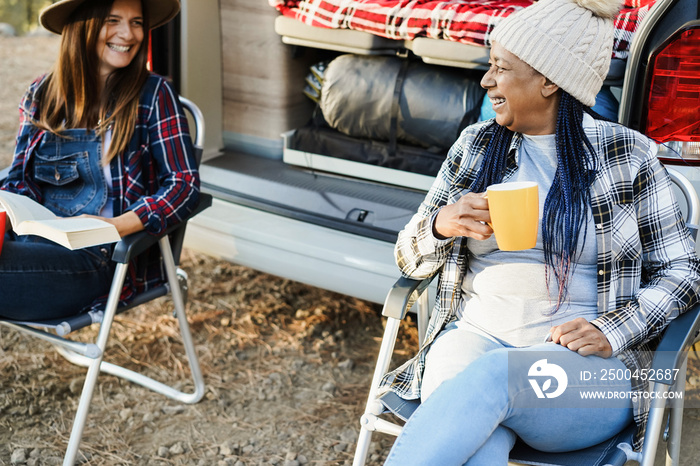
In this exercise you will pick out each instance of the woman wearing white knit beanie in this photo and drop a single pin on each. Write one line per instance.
(520, 342)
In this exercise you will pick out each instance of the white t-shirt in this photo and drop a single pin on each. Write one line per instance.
(504, 293)
(107, 210)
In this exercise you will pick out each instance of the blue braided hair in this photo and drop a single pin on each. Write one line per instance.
(566, 205)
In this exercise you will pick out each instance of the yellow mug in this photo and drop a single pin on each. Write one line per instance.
(514, 209)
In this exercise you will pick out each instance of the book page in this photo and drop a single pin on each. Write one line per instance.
(70, 224)
(73, 232)
(21, 208)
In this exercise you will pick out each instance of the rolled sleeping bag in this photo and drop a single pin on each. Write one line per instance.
(431, 104)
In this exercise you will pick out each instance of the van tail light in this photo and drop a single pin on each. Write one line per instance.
(672, 110)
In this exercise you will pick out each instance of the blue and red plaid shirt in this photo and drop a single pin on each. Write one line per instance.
(156, 177)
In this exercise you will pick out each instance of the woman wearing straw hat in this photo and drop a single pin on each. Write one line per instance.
(99, 136)
(516, 338)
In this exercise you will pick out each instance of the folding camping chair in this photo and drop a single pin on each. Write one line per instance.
(91, 354)
(672, 353)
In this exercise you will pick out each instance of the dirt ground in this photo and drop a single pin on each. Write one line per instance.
(287, 366)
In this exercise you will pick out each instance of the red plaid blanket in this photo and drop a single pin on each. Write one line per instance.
(468, 21)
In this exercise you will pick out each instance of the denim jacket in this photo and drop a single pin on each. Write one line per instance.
(156, 177)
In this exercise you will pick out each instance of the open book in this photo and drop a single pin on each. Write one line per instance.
(28, 217)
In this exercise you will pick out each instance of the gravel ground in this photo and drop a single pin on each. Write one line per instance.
(287, 368)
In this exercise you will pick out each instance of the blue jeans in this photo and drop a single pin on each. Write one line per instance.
(473, 418)
(42, 280)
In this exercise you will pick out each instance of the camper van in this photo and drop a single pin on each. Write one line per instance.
(301, 199)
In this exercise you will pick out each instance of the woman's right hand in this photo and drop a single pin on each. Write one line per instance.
(126, 224)
(469, 216)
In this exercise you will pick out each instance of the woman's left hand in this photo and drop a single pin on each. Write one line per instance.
(583, 337)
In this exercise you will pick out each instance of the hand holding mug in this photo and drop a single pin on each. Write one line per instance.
(469, 216)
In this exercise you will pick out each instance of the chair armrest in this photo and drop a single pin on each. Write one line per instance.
(678, 337)
(402, 295)
(134, 244)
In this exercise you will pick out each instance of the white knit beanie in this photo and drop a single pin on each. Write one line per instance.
(568, 41)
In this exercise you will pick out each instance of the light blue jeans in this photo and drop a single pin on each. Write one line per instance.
(474, 416)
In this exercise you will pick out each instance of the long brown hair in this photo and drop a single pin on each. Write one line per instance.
(70, 97)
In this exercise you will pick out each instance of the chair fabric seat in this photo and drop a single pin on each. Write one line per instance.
(604, 453)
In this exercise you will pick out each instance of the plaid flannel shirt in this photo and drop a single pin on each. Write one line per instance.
(156, 177)
(648, 271)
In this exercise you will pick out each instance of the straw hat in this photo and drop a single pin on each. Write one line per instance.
(55, 16)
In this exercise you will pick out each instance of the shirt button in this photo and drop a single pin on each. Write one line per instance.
(599, 226)
(601, 272)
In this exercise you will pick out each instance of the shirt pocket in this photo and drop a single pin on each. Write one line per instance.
(57, 171)
(66, 181)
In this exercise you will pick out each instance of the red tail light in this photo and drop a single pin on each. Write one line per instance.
(672, 111)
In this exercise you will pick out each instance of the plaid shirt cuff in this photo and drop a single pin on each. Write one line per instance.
(618, 328)
(427, 242)
(153, 221)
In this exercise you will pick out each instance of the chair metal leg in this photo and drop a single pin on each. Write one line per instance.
(383, 360)
(654, 423)
(186, 335)
(94, 366)
(89, 350)
(97, 365)
(148, 382)
(673, 449)
(363, 442)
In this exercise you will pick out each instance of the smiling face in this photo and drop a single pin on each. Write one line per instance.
(121, 37)
(523, 99)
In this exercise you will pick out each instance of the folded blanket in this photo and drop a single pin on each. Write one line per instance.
(467, 21)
